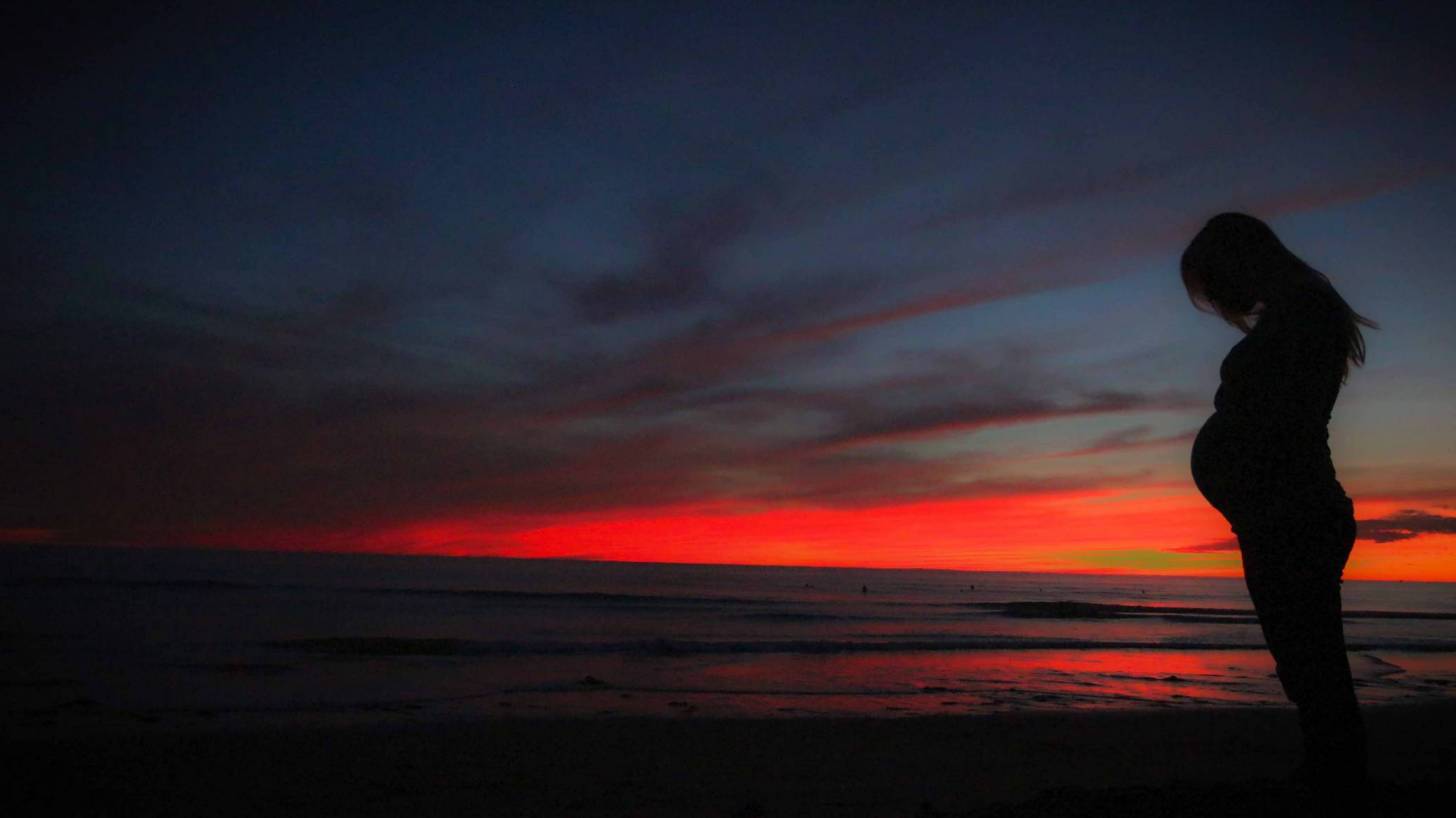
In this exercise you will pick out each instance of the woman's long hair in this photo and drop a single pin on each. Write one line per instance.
(1224, 263)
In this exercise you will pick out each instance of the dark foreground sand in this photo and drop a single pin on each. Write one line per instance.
(1211, 762)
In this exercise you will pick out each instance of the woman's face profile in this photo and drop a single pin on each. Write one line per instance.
(1227, 288)
(1237, 293)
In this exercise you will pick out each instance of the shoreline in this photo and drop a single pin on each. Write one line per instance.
(638, 765)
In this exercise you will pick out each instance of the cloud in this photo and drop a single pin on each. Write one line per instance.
(1401, 525)
(870, 424)
(1212, 547)
(859, 480)
(1404, 525)
(677, 270)
(765, 330)
(1353, 188)
(1072, 185)
(1127, 439)
(770, 331)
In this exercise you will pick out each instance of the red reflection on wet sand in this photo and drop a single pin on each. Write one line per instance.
(998, 680)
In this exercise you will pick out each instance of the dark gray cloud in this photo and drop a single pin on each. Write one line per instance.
(1212, 547)
(1130, 438)
(677, 270)
(1406, 524)
(1402, 525)
(872, 421)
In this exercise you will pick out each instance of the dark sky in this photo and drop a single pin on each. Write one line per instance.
(483, 278)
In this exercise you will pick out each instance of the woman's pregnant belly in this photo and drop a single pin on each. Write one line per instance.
(1221, 463)
(1255, 473)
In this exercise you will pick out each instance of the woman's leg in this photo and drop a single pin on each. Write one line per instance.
(1293, 576)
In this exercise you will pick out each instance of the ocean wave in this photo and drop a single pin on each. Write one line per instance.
(779, 609)
(807, 616)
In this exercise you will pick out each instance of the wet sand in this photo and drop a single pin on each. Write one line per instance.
(1201, 762)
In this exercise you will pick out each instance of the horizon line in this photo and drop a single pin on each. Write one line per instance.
(274, 550)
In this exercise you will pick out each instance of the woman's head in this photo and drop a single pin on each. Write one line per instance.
(1236, 265)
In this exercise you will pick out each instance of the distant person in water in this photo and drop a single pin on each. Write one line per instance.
(1263, 461)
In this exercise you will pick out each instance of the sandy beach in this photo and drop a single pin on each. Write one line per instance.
(1200, 762)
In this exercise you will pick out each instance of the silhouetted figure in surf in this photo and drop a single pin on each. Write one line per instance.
(1263, 460)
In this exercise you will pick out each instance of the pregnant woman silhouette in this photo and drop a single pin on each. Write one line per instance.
(1263, 460)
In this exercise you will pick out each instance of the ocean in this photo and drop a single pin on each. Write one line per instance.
(117, 636)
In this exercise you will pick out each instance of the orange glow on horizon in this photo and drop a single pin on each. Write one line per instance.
(1155, 530)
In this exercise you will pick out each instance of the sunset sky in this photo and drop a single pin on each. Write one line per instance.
(789, 284)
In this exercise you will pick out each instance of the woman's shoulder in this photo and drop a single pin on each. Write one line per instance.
(1309, 324)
